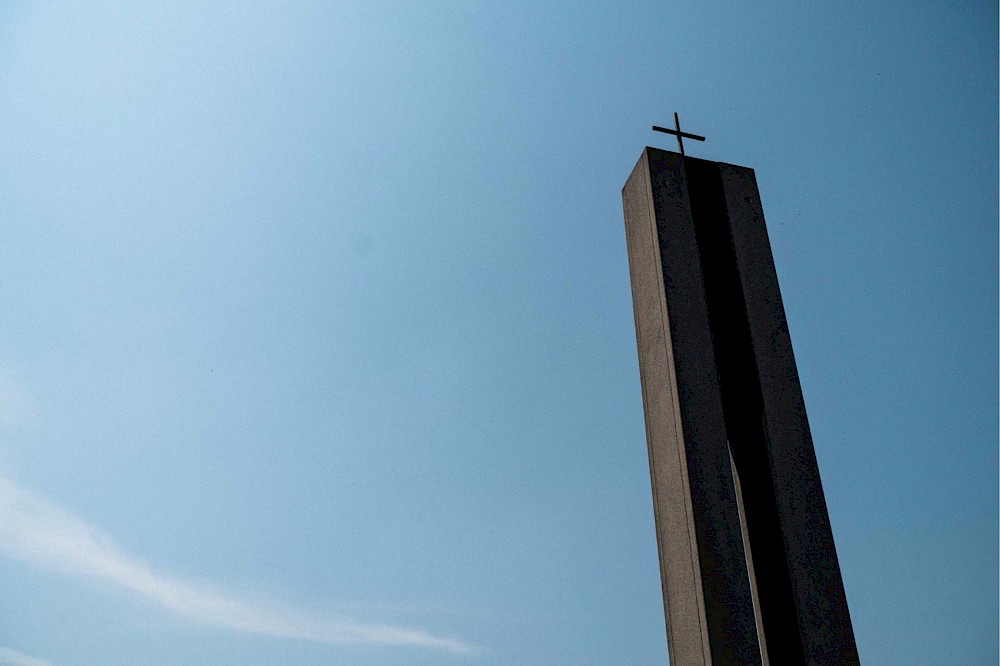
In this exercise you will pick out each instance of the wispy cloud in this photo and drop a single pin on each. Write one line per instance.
(15, 658)
(39, 533)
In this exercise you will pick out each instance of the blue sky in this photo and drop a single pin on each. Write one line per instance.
(317, 340)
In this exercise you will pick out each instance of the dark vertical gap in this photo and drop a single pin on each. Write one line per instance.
(742, 404)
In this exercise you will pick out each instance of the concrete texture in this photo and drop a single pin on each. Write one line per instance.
(824, 623)
(706, 588)
(746, 551)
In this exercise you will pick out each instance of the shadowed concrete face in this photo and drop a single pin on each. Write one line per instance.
(748, 565)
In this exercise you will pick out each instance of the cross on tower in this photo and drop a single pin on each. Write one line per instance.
(678, 133)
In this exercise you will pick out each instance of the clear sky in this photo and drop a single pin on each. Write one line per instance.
(317, 344)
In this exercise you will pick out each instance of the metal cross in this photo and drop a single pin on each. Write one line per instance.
(678, 133)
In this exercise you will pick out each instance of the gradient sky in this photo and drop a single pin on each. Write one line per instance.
(317, 342)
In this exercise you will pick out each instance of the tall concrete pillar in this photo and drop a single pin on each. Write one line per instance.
(747, 559)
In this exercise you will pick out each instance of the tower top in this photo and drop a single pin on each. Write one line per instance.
(678, 133)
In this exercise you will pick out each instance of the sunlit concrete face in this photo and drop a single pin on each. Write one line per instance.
(747, 559)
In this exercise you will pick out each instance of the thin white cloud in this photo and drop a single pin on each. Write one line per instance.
(15, 658)
(41, 534)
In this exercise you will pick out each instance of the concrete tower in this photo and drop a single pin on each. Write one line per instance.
(747, 559)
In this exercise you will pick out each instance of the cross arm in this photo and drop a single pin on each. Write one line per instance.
(676, 133)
